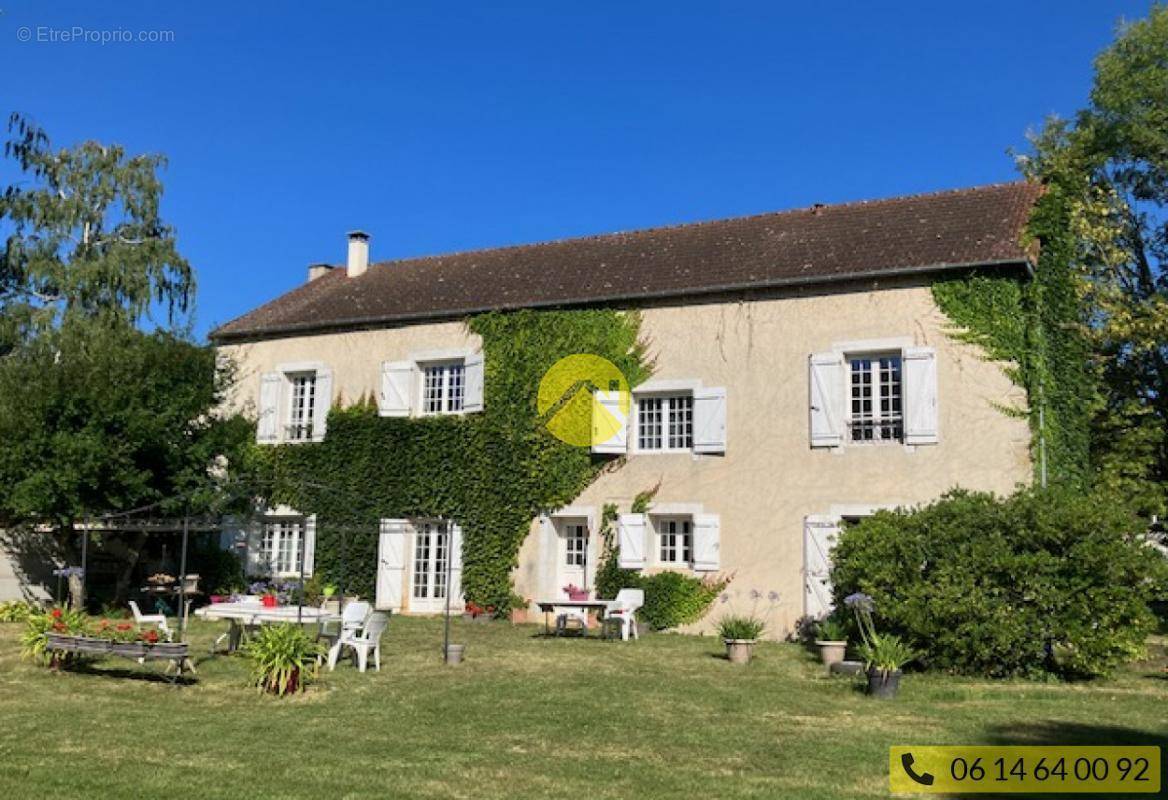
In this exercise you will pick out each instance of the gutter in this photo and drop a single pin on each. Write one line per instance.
(421, 316)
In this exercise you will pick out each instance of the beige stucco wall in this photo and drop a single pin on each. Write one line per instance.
(769, 479)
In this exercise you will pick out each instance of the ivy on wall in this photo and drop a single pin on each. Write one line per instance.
(492, 471)
(1036, 325)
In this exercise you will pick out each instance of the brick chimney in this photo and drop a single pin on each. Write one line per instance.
(358, 253)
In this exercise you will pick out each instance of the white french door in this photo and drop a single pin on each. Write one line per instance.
(435, 553)
(572, 555)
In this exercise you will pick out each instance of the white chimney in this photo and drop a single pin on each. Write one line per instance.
(358, 253)
(318, 271)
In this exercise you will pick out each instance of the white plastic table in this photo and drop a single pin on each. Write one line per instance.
(555, 606)
(244, 615)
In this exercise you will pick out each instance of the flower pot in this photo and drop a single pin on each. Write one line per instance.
(883, 683)
(519, 616)
(579, 595)
(831, 651)
(739, 651)
(269, 601)
(454, 653)
(218, 598)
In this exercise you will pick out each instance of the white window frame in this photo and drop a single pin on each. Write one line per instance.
(683, 543)
(435, 567)
(675, 424)
(576, 536)
(878, 418)
(276, 531)
(300, 414)
(447, 370)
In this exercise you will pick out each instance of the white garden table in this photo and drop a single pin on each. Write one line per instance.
(555, 607)
(250, 615)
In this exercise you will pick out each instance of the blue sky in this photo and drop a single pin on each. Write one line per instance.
(446, 126)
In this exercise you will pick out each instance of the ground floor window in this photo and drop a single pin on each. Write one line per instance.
(282, 543)
(431, 556)
(676, 541)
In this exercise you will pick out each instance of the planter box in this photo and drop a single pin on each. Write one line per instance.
(128, 649)
(739, 651)
(831, 651)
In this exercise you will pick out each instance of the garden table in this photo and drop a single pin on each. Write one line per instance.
(250, 615)
(554, 606)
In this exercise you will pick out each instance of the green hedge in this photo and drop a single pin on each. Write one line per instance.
(493, 471)
(1038, 583)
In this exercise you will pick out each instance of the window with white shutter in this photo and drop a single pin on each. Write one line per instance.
(688, 420)
(610, 422)
(294, 404)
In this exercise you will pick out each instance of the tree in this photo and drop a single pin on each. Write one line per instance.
(1111, 161)
(96, 414)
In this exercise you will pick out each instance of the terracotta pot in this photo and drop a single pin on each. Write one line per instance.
(831, 651)
(519, 616)
(883, 684)
(739, 651)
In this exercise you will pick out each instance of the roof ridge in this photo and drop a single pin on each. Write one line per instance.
(701, 223)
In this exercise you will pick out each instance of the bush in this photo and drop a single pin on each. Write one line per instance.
(740, 628)
(671, 598)
(283, 658)
(17, 610)
(999, 587)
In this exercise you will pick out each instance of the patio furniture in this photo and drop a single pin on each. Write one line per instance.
(579, 608)
(351, 620)
(250, 615)
(141, 619)
(176, 654)
(369, 639)
(624, 609)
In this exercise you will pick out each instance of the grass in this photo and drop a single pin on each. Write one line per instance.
(524, 717)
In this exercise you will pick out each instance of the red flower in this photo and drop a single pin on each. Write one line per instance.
(58, 626)
(150, 636)
(124, 626)
(56, 613)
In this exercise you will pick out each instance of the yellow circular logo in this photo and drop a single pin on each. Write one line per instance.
(585, 399)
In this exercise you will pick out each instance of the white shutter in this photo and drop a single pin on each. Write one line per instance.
(397, 381)
(820, 533)
(707, 540)
(631, 535)
(456, 601)
(473, 398)
(548, 557)
(709, 420)
(608, 411)
(920, 392)
(254, 562)
(309, 545)
(828, 396)
(268, 426)
(391, 563)
(322, 403)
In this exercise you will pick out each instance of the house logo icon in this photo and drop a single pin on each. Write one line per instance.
(583, 399)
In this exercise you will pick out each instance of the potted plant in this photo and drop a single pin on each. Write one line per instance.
(740, 634)
(284, 658)
(574, 592)
(454, 653)
(883, 654)
(832, 641)
(519, 609)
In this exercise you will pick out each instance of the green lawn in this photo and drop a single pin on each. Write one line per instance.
(524, 717)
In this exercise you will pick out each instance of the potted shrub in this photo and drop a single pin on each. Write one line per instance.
(284, 658)
(740, 633)
(832, 640)
(883, 655)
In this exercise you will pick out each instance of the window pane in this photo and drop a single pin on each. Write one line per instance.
(681, 422)
(649, 423)
(455, 386)
(432, 389)
(302, 406)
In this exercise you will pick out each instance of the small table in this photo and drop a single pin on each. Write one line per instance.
(551, 606)
(244, 615)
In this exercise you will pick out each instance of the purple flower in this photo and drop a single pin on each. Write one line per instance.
(773, 596)
(860, 602)
(755, 594)
(724, 597)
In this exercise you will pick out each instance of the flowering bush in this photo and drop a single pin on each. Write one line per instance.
(17, 610)
(66, 621)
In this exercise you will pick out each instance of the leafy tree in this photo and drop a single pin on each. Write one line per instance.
(96, 414)
(1111, 162)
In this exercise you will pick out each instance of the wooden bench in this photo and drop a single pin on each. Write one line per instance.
(176, 654)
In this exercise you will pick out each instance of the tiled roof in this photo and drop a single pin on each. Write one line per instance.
(980, 226)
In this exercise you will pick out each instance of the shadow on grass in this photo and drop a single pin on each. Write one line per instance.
(129, 673)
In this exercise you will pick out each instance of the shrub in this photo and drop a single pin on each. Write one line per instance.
(887, 653)
(671, 598)
(736, 627)
(17, 610)
(34, 640)
(283, 658)
(995, 586)
(831, 630)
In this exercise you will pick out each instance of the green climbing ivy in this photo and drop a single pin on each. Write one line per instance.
(1036, 326)
(492, 472)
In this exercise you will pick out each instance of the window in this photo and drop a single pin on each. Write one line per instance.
(876, 399)
(281, 545)
(665, 422)
(676, 538)
(302, 407)
(443, 388)
(431, 555)
(575, 543)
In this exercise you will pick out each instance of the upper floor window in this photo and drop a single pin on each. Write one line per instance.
(876, 399)
(665, 422)
(575, 543)
(302, 406)
(443, 388)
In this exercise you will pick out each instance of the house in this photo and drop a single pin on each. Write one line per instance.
(804, 376)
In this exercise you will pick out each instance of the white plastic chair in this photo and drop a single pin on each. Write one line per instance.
(141, 619)
(369, 639)
(624, 608)
(352, 620)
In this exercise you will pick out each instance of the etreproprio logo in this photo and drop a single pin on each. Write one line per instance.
(582, 396)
